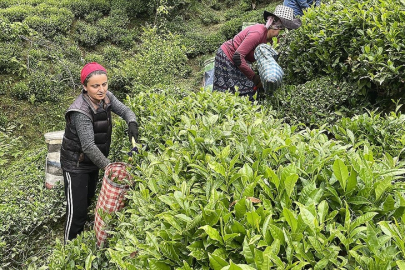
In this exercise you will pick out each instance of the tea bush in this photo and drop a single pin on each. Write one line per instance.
(197, 40)
(81, 251)
(87, 35)
(116, 29)
(161, 55)
(199, 44)
(113, 28)
(12, 31)
(81, 8)
(348, 39)
(228, 186)
(46, 87)
(20, 90)
(49, 20)
(209, 18)
(317, 102)
(113, 55)
(9, 3)
(10, 58)
(17, 13)
(233, 26)
(5, 84)
(384, 132)
(27, 209)
(45, 82)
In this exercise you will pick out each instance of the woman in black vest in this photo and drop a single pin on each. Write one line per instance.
(86, 143)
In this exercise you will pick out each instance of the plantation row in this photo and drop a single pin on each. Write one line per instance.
(228, 186)
(349, 40)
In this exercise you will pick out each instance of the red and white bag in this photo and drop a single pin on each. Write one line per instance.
(112, 195)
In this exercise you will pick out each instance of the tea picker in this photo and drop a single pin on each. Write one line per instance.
(86, 145)
(232, 70)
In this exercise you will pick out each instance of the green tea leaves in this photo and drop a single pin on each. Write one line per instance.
(341, 172)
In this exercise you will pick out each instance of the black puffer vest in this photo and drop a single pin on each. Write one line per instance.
(72, 157)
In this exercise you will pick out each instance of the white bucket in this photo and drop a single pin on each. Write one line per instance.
(53, 170)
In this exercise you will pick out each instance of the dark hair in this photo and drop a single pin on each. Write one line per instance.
(96, 72)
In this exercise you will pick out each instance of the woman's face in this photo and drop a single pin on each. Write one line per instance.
(272, 33)
(274, 29)
(97, 86)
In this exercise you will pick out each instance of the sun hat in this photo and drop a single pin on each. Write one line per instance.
(286, 16)
(89, 68)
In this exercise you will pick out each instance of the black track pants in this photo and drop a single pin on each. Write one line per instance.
(80, 188)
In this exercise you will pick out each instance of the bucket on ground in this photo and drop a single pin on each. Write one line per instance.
(116, 182)
(209, 73)
(53, 170)
(246, 24)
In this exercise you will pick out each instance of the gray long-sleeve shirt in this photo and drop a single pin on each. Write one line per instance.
(85, 132)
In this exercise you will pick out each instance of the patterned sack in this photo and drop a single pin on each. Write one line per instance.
(111, 198)
(271, 74)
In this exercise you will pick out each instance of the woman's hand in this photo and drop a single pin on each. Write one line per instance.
(133, 131)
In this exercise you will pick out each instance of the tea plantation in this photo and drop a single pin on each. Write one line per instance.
(311, 177)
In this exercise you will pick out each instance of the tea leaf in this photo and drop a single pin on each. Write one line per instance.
(216, 262)
(401, 264)
(341, 172)
(382, 186)
(290, 218)
(277, 233)
(253, 219)
(289, 183)
(247, 251)
(157, 265)
(351, 181)
(212, 233)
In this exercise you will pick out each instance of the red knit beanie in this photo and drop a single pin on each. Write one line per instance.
(89, 68)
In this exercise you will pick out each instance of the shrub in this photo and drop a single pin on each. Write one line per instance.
(28, 210)
(317, 102)
(10, 58)
(69, 256)
(50, 21)
(162, 56)
(17, 13)
(199, 44)
(44, 87)
(12, 31)
(20, 90)
(95, 57)
(81, 8)
(228, 186)
(40, 87)
(5, 84)
(350, 39)
(115, 28)
(88, 35)
(73, 53)
(112, 55)
(384, 133)
(6, 3)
